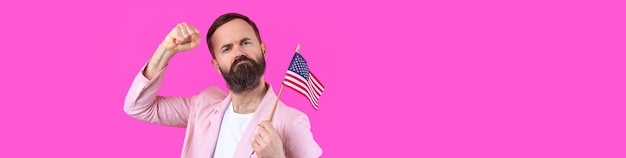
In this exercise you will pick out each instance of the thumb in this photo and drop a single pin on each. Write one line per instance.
(195, 40)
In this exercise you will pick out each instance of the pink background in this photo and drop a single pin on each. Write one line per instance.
(403, 79)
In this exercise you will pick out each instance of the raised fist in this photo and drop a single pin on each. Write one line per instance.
(182, 38)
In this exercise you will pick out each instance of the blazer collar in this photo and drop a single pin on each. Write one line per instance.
(264, 109)
(244, 148)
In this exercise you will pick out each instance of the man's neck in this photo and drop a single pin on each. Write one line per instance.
(248, 101)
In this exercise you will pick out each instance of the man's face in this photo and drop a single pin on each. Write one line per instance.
(239, 55)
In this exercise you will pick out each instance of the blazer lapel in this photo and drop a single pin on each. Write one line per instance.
(215, 121)
(244, 148)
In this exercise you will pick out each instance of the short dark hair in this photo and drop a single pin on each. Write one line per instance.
(223, 19)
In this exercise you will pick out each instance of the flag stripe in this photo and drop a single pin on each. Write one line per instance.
(316, 84)
(313, 87)
(317, 90)
(317, 93)
(299, 85)
(298, 90)
(300, 81)
(319, 84)
(296, 79)
(301, 91)
(312, 93)
(314, 81)
(300, 78)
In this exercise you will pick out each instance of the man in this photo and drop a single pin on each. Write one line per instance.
(223, 124)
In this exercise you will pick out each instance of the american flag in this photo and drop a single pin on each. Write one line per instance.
(300, 78)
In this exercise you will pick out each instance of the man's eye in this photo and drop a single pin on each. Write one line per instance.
(246, 43)
(225, 49)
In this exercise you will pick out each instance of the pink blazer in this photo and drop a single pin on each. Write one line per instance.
(202, 115)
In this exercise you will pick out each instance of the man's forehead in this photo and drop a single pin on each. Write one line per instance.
(233, 31)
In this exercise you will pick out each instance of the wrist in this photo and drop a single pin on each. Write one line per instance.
(165, 53)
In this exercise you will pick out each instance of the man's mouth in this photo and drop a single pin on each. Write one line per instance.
(243, 61)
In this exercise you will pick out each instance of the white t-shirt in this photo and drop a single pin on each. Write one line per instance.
(231, 130)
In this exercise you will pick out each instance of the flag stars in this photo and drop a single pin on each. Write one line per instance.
(299, 78)
(300, 67)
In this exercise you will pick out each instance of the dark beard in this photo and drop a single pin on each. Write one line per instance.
(245, 76)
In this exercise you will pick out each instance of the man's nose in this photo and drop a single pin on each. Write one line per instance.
(238, 51)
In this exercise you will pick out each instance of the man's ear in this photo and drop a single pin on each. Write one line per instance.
(263, 48)
(216, 66)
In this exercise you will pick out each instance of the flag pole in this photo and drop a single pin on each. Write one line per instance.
(280, 92)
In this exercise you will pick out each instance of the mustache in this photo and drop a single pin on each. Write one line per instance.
(240, 78)
(242, 58)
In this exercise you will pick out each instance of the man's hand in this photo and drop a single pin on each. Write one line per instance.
(182, 38)
(266, 142)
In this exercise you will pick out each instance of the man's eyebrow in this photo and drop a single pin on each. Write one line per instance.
(240, 41)
(226, 45)
(244, 39)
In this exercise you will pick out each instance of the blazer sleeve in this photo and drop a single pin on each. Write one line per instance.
(143, 103)
(300, 142)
